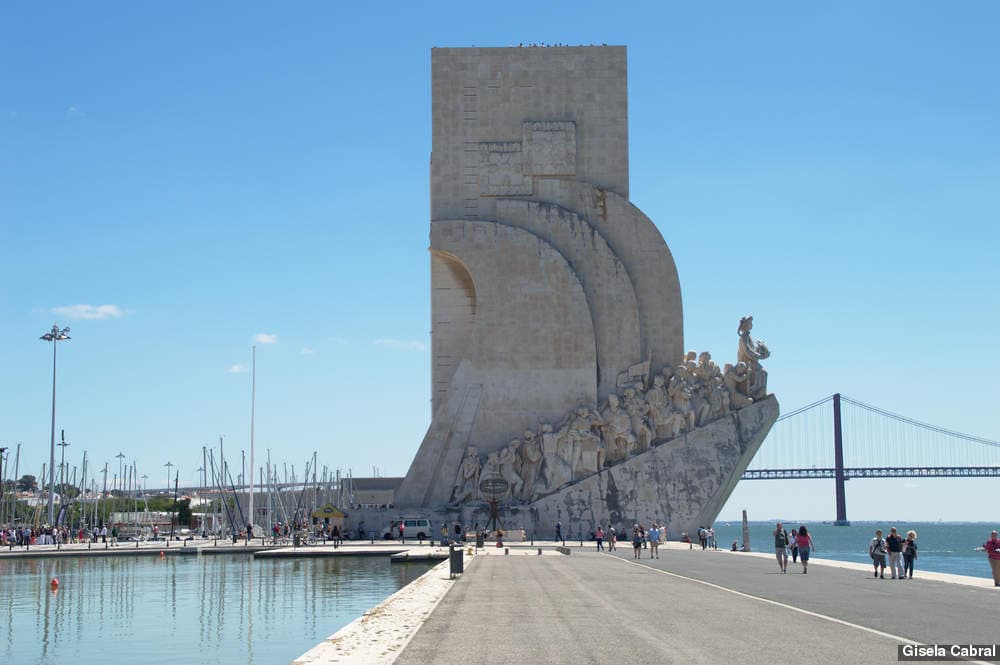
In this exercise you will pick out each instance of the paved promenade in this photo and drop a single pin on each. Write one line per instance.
(691, 606)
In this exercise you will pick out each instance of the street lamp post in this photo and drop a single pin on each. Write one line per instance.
(121, 478)
(3, 488)
(54, 335)
(62, 468)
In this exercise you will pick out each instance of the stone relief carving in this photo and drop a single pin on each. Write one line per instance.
(549, 148)
(531, 464)
(467, 483)
(691, 394)
(545, 149)
(501, 170)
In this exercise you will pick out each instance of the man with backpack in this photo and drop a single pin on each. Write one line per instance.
(876, 550)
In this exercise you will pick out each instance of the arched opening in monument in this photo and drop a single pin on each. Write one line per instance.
(453, 304)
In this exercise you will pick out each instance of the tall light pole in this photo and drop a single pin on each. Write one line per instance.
(62, 467)
(168, 465)
(253, 405)
(54, 335)
(3, 487)
(121, 478)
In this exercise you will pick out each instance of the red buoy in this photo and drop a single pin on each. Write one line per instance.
(161, 554)
(54, 583)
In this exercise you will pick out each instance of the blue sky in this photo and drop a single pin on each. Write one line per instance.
(220, 172)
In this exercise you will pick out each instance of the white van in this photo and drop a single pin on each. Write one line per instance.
(413, 527)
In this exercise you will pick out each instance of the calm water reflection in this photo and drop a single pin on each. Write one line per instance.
(185, 609)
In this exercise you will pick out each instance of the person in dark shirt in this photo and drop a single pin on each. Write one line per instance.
(909, 553)
(895, 546)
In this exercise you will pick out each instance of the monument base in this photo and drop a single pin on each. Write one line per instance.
(682, 483)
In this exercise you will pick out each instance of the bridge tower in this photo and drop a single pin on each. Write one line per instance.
(838, 454)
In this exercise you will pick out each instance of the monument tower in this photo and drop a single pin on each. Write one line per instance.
(556, 306)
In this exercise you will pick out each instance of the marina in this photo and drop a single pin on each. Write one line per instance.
(185, 609)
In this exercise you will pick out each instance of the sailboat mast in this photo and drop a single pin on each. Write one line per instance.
(253, 398)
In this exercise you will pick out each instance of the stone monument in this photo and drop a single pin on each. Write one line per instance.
(558, 360)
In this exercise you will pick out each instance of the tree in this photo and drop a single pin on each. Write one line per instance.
(67, 491)
(27, 483)
(184, 512)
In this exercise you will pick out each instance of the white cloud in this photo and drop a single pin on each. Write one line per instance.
(89, 312)
(238, 369)
(306, 351)
(73, 112)
(265, 338)
(403, 344)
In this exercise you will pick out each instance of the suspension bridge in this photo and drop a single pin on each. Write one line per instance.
(842, 438)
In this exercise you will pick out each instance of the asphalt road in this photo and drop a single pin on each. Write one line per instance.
(689, 607)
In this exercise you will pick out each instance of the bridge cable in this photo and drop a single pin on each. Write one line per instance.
(804, 408)
(917, 423)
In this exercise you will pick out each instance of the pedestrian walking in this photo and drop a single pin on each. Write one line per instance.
(909, 552)
(805, 543)
(876, 550)
(894, 545)
(654, 541)
(781, 547)
(793, 546)
(636, 543)
(612, 539)
(559, 531)
(599, 537)
(992, 547)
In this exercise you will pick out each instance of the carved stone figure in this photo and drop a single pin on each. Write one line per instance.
(467, 483)
(617, 428)
(680, 397)
(638, 411)
(659, 406)
(735, 379)
(557, 468)
(531, 462)
(509, 459)
(707, 370)
(752, 352)
(586, 450)
(491, 467)
(697, 388)
(718, 401)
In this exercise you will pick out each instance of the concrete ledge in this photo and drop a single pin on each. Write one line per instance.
(563, 550)
(378, 636)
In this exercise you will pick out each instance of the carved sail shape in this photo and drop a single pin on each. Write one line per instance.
(531, 347)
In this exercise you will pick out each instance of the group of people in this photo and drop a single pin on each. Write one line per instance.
(798, 544)
(641, 538)
(706, 537)
(901, 553)
(45, 535)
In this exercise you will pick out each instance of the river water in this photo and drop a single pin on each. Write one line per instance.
(185, 609)
(943, 547)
